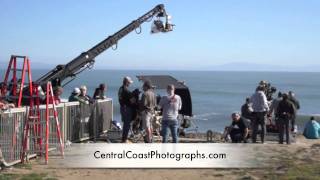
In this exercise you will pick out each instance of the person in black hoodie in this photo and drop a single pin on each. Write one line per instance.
(126, 101)
(285, 112)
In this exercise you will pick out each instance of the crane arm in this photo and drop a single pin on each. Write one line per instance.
(86, 59)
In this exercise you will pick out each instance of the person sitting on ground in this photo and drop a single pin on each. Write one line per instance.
(170, 105)
(312, 129)
(285, 112)
(74, 95)
(246, 109)
(83, 97)
(239, 129)
(99, 93)
(148, 104)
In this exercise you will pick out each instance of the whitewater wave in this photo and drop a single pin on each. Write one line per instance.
(205, 116)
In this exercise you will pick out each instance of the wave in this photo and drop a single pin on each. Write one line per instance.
(205, 116)
(308, 114)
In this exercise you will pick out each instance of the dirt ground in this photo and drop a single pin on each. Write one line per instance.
(300, 160)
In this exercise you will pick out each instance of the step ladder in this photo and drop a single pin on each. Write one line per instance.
(15, 86)
(52, 114)
(13, 89)
(33, 126)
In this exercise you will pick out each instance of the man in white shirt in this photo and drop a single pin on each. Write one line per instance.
(170, 104)
(260, 108)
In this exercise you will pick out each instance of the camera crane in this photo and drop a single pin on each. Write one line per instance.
(86, 59)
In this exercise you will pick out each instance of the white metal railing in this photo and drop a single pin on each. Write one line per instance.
(77, 121)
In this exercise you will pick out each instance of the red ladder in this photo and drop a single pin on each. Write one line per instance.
(14, 85)
(51, 112)
(33, 125)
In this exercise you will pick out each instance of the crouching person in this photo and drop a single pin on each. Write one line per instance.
(170, 104)
(239, 129)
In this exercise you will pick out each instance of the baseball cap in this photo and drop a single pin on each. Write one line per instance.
(76, 90)
(128, 79)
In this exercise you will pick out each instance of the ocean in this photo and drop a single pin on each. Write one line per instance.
(215, 94)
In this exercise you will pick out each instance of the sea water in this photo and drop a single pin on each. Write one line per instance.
(215, 94)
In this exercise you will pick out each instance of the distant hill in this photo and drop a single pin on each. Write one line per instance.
(237, 66)
(242, 66)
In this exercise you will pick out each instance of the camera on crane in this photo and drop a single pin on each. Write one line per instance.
(159, 26)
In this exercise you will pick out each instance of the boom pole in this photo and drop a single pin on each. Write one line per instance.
(86, 59)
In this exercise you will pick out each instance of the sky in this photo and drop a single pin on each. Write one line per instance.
(208, 34)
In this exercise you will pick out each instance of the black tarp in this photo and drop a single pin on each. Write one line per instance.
(162, 81)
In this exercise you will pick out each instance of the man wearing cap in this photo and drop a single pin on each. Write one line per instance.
(74, 95)
(126, 101)
(148, 103)
(83, 97)
(170, 104)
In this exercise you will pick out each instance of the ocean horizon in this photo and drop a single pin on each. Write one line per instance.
(215, 94)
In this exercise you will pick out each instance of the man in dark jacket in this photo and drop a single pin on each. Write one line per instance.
(99, 93)
(285, 112)
(126, 101)
(74, 97)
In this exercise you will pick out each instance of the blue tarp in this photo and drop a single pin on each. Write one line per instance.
(312, 130)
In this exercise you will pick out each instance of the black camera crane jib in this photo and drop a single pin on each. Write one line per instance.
(86, 59)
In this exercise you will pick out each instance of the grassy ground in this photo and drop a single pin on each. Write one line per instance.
(31, 176)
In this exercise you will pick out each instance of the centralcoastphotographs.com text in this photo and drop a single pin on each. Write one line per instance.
(128, 154)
